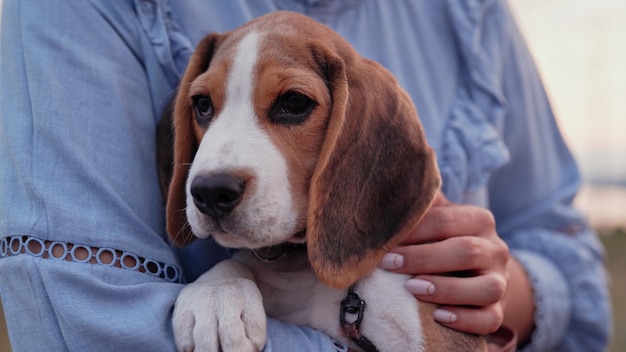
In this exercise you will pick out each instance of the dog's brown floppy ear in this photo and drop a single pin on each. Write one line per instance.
(376, 175)
(185, 143)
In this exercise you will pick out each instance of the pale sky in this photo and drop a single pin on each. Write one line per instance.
(579, 48)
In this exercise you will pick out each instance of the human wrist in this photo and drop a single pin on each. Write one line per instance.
(551, 301)
(519, 309)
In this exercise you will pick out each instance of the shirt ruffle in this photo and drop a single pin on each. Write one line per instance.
(471, 144)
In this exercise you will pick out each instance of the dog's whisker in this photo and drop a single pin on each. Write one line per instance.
(169, 96)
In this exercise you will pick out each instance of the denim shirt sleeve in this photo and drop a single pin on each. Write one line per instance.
(530, 177)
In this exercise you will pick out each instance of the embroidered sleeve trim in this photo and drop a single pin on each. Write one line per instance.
(79, 253)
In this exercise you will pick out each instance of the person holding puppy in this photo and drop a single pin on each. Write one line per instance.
(81, 219)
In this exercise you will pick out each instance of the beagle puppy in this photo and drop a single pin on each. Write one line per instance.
(311, 160)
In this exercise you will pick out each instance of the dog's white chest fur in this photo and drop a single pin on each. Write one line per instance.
(390, 318)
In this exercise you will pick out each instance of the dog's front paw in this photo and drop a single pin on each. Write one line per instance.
(224, 317)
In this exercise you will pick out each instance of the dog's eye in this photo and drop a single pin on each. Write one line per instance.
(291, 108)
(203, 107)
(295, 104)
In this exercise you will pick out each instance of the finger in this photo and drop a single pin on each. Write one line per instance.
(479, 291)
(481, 321)
(440, 223)
(450, 255)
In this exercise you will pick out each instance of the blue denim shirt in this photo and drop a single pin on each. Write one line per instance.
(82, 85)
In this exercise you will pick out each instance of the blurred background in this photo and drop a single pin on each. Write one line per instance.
(579, 49)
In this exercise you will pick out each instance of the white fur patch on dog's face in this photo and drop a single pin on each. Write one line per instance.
(235, 143)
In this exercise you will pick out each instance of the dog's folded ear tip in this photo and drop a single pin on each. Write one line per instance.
(337, 280)
(342, 275)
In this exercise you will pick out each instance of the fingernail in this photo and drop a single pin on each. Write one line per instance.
(392, 261)
(420, 287)
(444, 316)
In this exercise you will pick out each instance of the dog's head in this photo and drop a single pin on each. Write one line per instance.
(284, 133)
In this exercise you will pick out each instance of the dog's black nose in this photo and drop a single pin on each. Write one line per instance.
(216, 195)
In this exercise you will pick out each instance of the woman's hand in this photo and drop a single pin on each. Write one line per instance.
(460, 263)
